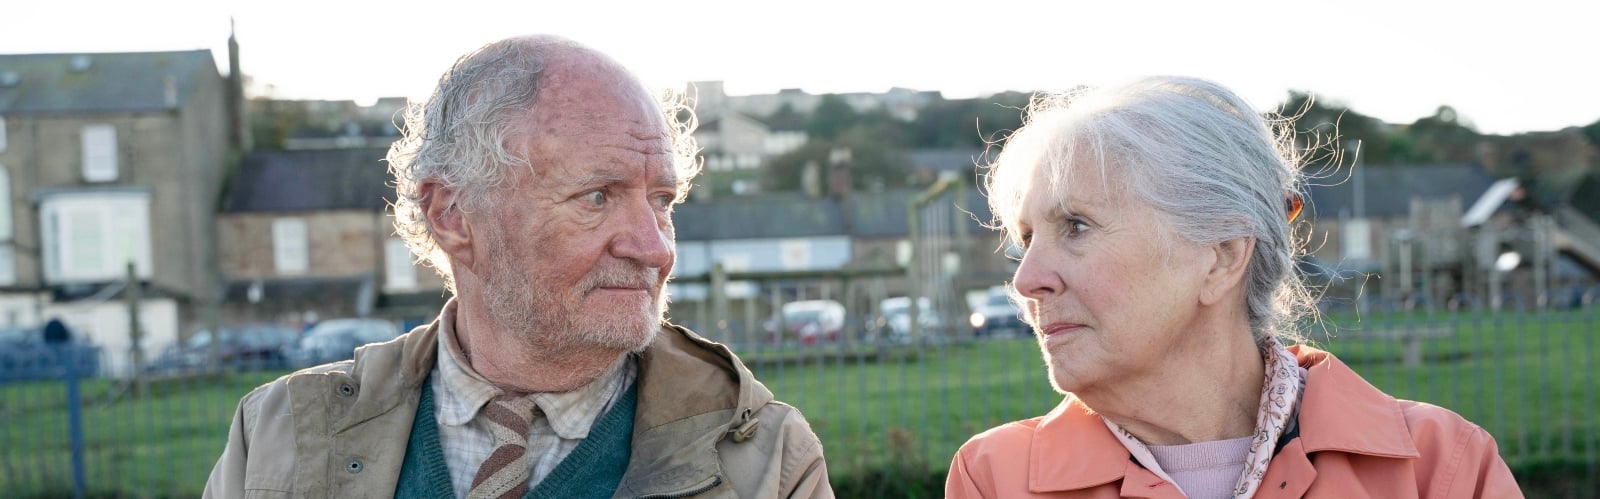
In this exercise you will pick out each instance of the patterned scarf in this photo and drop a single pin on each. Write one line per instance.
(1280, 394)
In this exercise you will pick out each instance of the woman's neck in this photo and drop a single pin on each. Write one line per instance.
(1210, 391)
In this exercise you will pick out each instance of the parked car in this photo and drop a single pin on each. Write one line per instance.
(997, 315)
(336, 339)
(894, 325)
(809, 321)
(247, 347)
(25, 355)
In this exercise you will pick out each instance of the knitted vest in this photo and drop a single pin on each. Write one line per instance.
(593, 469)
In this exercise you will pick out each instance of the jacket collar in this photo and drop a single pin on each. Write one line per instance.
(681, 374)
(692, 392)
(1342, 412)
(1055, 462)
(1072, 448)
(411, 355)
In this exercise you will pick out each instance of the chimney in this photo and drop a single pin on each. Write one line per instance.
(238, 126)
(841, 186)
(840, 178)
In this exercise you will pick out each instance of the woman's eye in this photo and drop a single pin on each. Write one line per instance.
(1076, 227)
(1027, 238)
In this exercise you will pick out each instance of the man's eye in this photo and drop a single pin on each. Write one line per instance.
(664, 201)
(596, 197)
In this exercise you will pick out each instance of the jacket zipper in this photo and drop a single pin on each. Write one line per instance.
(715, 481)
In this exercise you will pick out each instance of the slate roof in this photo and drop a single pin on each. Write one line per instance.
(758, 217)
(783, 215)
(954, 160)
(1388, 190)
(1388, 193)
(112, 82)
(309, 180)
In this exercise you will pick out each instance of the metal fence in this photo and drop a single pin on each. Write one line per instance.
(892, 385)
(883, 403)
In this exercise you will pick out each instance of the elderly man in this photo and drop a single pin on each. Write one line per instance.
(539, 180)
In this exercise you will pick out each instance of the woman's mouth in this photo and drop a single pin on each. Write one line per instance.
(1060, 328)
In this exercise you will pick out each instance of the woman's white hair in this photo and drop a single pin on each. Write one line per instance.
(465, 135)
(1201, 156)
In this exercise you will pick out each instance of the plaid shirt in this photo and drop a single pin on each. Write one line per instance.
(560, 423)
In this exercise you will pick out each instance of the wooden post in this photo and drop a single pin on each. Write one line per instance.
(1413, 350)
(717, 292)
(135, 334)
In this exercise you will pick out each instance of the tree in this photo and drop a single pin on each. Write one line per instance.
(831, 116)
(1319, 125)
(786, 118)
(877, 159)
(967, 123)
(1446, 136)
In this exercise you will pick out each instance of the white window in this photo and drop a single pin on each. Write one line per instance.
(1356, 240)
(92, 236)
(400, 273)
(5, 204)
(99, 153)
(8, 265)
(290, 254)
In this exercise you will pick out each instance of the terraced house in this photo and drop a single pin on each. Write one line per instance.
(109, 160)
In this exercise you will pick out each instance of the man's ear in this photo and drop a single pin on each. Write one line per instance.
(1227, 269)
(449, 226)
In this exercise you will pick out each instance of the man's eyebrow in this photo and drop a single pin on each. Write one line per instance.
(667, 178)
(598, 178)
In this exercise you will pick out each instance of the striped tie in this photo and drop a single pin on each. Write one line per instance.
(505, 473)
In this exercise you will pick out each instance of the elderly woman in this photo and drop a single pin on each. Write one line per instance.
(1158, 274)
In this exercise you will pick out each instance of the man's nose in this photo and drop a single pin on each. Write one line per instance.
(644, 236)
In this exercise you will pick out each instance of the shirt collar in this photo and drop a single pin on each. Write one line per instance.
(465, 391)
(570, 414)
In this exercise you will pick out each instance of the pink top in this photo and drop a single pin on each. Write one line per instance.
(1204, 469)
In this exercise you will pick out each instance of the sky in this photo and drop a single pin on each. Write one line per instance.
(1507, 67)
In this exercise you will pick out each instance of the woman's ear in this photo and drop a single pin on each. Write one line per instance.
(450, 229)
(1227, 269)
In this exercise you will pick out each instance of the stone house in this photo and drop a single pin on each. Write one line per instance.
(108, 159)
(306, 235)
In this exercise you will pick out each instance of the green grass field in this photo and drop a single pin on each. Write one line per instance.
(1529, 379)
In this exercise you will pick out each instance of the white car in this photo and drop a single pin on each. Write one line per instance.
(997, 315)
(336, 339)
(810, 321)
(896, 317)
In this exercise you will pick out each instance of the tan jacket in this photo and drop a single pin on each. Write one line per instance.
(1354, 441)
(704, 427)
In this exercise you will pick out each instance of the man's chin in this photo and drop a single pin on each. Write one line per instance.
(631, 334)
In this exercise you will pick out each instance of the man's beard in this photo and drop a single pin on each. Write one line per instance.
(532, 309)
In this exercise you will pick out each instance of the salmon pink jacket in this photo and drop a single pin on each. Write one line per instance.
(1352, 441)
